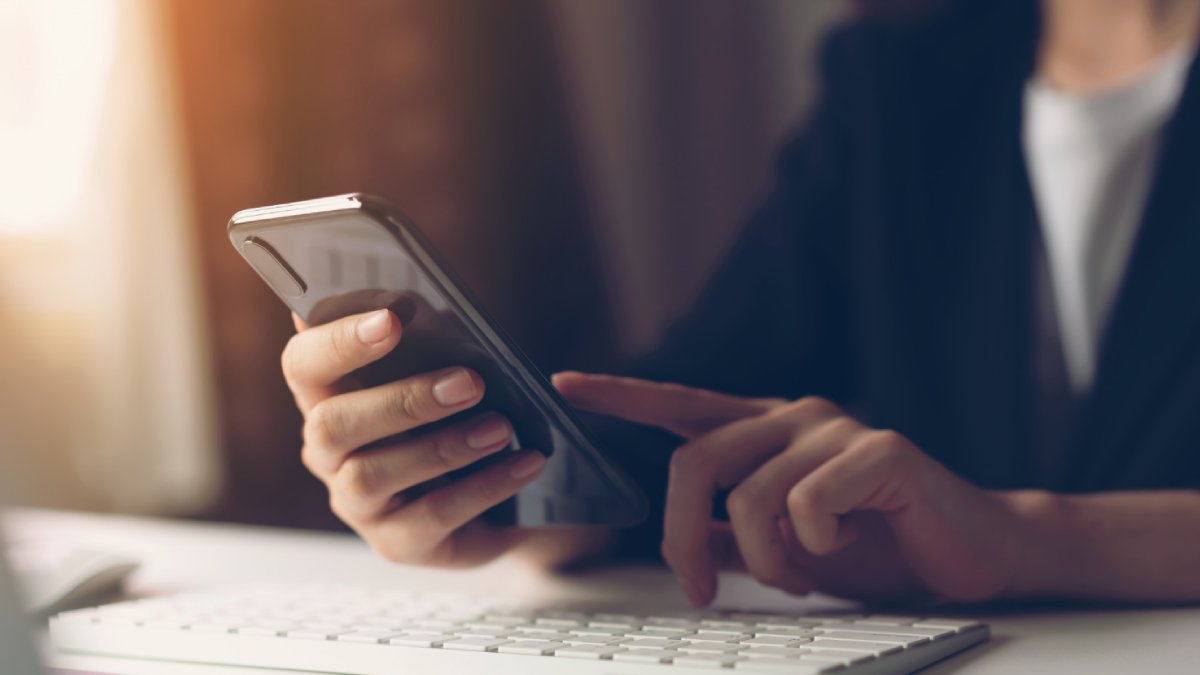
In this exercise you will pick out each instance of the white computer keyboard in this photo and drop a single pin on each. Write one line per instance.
(373, 632)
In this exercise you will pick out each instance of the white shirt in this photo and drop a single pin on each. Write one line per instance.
(1091, 161)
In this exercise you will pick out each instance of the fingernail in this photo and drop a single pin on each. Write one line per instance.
(454, 388)
(488, 433)
(374, 328)
(527, 465)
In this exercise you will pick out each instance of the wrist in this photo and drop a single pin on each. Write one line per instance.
(1043, 554)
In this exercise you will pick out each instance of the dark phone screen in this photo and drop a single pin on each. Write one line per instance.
(350, 261)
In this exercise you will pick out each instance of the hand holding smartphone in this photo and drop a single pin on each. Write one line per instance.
(433, 377)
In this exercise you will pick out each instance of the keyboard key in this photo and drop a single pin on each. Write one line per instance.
(646, 655)
(266, 630)
(823, 644)
(771, 641)
(494, 625)
(530, 648)
(671, 624)
(594, 630)
(884, 638)
(589, 640)
(736, 626)
(931, 633)
(426, 630)
(309, 634)
(845, 658)
(653, 643)
(773, 652)
(365, 636)
(626, 626)
(540, 637)
(421, 640)
(790, 666)
(666, 635)
(707, 636)
(547, 630)
(474, 644)
(729, 634)
(483, 633)
(589, 651)
(560, 624)
(957, 625)
(789, 633)
(432, 622)
(799, 624)
(710, 647)
(707, 660)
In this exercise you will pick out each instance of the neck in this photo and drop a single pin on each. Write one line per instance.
(1093, 45)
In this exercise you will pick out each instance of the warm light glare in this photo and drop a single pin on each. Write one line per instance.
(55, 62)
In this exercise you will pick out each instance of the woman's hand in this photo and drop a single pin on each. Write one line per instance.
(817, 502)
(397, 495)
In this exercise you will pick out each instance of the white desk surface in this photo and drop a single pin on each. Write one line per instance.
(179, 555)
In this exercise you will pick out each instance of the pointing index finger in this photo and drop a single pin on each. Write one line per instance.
(685, 411)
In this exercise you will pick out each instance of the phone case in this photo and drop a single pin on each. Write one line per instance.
(331, 257)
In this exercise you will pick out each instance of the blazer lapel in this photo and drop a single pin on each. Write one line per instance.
(1155, 325)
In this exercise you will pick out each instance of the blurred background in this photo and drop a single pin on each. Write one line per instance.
(583, 165)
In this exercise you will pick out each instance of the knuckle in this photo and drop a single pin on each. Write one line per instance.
(671, 553)
(743, 501)
(343, 343)
(360, 478)
(882, 443)
(429, 515)
(324, 427)
(439, 452)
(841, 427)
(392, 549)
(307, 459)
(690, 460)
(889, 439)
(289, 359)
(801, 501)
(408, 404)
(339, 509)
(488, 492)
(815, 407)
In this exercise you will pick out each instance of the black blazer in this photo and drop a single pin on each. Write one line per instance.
(892, 270)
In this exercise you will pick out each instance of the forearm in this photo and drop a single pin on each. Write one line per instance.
(1121, 546)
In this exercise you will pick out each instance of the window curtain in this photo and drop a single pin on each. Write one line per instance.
(105, 397)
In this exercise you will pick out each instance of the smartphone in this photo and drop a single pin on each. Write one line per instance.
(331, 257)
